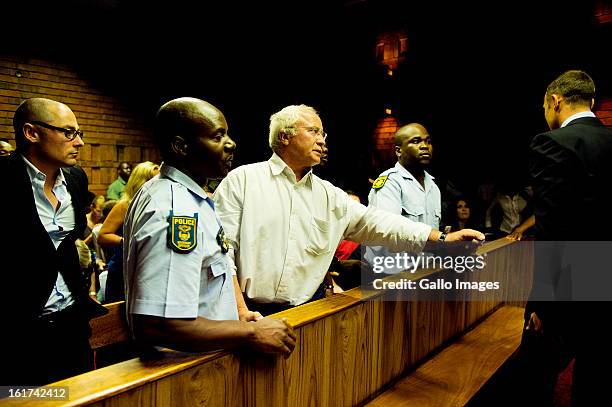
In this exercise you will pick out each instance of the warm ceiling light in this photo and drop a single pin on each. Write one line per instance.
(388, 111)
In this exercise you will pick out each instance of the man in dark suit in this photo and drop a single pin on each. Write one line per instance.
(45, 303)
(571, 167)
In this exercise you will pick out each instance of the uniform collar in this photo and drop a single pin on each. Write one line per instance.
(278, 166)
(35, 173)
(406, 174)
(172, 173)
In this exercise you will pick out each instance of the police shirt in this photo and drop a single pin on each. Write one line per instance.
(175, 261)
(399, 192)
(396, 190)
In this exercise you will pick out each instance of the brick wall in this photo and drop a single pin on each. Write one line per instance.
(113, 133)
(384, 145)
(604, 112)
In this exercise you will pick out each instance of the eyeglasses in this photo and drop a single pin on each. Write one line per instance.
(70, 134)
(316, 131)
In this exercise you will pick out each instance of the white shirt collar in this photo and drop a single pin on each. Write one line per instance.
(578, 115)
(36, 174)
(278, 166)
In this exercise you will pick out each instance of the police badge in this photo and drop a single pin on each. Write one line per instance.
(380, 181)
(182, 233)
(222, 240)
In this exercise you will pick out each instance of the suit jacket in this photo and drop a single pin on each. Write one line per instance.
(571, 170)
(30, 260)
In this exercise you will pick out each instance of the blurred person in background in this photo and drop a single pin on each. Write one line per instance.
(111, 232)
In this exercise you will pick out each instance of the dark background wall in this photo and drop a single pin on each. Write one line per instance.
(113, 132)
(474, 76)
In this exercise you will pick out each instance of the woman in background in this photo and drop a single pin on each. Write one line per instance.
(112, 229)
(461, 216)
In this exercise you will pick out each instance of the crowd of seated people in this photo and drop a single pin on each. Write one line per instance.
(94, 216)
(105, 254)
(102, 255)
(499, 210)
(111, 232)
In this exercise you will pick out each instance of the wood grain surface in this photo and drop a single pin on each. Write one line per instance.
(350, 347)
(455, 374)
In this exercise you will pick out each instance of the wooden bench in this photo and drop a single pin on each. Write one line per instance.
(454, 375)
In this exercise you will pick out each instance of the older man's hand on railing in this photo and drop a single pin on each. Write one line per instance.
(461, 242)
(465, 235)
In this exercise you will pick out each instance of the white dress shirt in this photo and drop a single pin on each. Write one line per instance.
(58, 224)
(283, 233)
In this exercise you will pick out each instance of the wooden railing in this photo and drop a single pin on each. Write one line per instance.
(350, 347)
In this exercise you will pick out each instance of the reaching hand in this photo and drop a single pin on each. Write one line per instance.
(274, 335)
(516, 235)
(460, 243)
(464, 235)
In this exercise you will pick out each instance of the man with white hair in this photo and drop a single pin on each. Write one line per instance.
(284, 223)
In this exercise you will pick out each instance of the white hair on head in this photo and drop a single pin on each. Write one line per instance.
(285, 120)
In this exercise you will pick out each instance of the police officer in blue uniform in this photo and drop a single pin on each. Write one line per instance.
(180, 291)
(407, 189)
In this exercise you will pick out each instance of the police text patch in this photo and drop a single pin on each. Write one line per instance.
(182, 233)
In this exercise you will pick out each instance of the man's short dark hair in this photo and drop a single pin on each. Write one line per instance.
(404, 131)
(119, 167)
(575, 86)
(179, 117)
